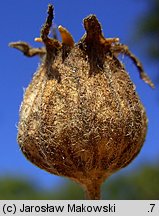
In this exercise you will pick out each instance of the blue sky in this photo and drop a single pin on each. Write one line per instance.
(22, 20)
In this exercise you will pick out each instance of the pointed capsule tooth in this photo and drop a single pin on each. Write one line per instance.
(92, 26)
(66, 36)
(91, 23)
(93, 30)
(38, 40)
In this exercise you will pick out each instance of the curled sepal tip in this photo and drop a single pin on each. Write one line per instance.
(26, 49)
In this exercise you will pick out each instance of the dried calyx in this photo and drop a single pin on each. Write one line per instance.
(80, 116)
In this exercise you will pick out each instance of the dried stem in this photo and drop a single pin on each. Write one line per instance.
(92, 190)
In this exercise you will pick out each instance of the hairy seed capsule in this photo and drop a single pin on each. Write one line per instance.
(81, 116)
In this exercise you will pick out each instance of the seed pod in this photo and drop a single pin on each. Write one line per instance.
(81, 117)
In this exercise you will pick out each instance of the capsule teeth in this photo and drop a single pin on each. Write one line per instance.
(91, 23)
(92, 27)
(66, 36)
(94, 32)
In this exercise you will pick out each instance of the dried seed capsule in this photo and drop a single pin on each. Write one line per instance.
(81, 116)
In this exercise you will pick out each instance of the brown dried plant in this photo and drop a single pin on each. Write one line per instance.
(81, 117)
